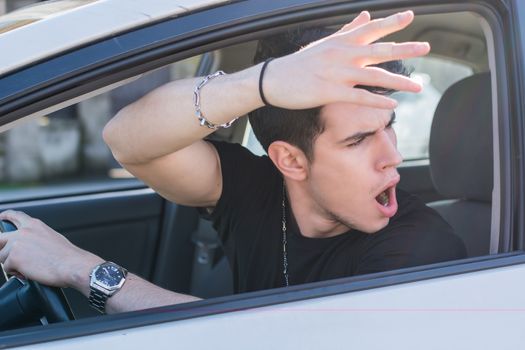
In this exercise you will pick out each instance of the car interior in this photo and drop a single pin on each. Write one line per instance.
(460, 164)
(177, 248)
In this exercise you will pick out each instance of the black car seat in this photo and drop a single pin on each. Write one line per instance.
(461, 160)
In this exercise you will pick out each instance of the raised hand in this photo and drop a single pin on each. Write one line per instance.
(328, 70)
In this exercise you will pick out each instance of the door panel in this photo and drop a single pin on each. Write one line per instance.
(122, 226)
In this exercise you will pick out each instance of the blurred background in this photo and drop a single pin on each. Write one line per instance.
(66, 146)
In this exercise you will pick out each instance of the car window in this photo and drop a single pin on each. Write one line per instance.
(65, 148)
(415, 112)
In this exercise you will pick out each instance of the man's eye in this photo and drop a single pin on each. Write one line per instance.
(357, 142)
(389, 125)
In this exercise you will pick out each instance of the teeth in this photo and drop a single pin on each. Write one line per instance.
(383, 199)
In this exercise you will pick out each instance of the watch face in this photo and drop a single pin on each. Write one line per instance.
(109, 275)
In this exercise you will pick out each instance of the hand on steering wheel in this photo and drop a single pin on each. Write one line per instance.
(24, 301)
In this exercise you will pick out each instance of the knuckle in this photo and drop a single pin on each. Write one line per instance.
(359, 54)
(403, 49)
(360, 40)
(399, 19)
(351, 74)
(8, 212)
(379, 24)
(331, 52)
(35, 224)
(11, 262)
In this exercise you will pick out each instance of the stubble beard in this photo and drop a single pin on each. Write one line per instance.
(336, 218)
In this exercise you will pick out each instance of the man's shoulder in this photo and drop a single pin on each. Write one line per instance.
(236, 153)
(408, 203)
(246, 177)
(235, 148)
(415, 236)
(413, 211)
(431, 237)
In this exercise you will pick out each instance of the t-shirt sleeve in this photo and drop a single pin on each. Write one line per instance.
(245, 177)
(420, 238)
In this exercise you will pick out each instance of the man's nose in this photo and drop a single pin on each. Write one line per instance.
(388, 155)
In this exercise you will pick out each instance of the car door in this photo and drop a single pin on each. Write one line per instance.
(472, 303)
(57, 168)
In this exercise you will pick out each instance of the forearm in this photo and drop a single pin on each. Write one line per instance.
(136, 293)
(41, 254)
(164, 121)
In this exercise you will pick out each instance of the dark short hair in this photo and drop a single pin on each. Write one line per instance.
(298, 127)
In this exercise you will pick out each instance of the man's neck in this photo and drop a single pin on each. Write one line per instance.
(313, 221)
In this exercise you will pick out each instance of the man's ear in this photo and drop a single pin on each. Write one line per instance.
(290, 160)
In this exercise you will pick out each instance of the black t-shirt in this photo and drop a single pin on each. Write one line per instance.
(248, 220)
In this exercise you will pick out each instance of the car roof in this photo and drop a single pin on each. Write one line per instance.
(56, 26)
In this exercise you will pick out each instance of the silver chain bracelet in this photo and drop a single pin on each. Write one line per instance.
(197, 103)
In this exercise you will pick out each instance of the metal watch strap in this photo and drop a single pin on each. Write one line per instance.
(97, 300)
(99, 290)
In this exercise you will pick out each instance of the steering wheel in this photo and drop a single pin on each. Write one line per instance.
(25, 302)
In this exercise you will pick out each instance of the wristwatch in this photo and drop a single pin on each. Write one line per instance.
(106, 279)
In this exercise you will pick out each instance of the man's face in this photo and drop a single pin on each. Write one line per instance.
(353, 174)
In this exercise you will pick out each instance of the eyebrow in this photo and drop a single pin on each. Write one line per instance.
(362, 134)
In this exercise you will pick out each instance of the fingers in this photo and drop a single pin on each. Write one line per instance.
(5, 236)
(378, 28)
(9, 270)
(366, 98)
(8, 240)
(374, 76)
(18, 218)
(362, 18)
(384, 52)
(3, 255)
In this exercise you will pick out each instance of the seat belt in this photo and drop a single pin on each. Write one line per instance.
(211, 273)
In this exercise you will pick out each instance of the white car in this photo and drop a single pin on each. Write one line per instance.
(67, 66)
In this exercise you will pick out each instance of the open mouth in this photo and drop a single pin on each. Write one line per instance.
(384, 198)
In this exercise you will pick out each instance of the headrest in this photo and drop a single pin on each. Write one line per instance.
(460, 147)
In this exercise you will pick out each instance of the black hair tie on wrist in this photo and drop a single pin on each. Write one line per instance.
(261, 75)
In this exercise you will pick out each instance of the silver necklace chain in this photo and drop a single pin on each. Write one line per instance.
(285, 241)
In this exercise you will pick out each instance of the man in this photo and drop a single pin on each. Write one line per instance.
(323, 204)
